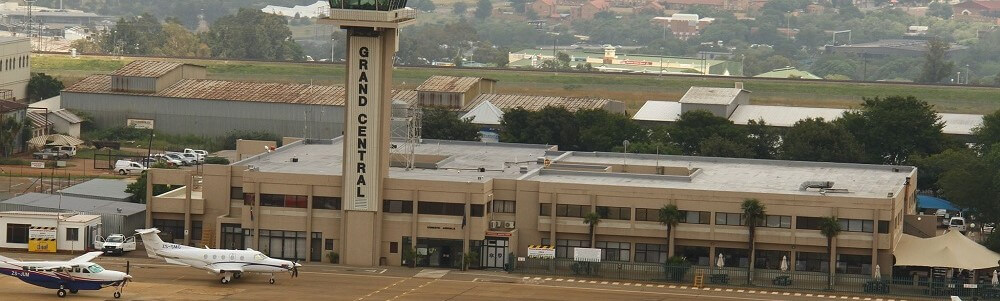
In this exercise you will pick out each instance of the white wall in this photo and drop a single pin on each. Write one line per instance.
(49, 221)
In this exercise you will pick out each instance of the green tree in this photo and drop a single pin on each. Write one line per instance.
(484, 8)
(892, 128)
(814, 139)
(932, 167)
(489, 54)
(138, 188)
(42, 86)
(669, 216)
(764, 140)
(441, 123)
(753, 214)
(939, 9)
(716, 146)
(459, 8)
(975, 185)
(937, 67)
(600, 130)
(830, 228)
(988, 132)
(10, 128)
(252, 34)
(811, 36)
(693, 127)
(592, 219)
(137, 35)
(550, 126)
(180, 42)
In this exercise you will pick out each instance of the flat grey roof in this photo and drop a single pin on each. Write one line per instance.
(107, 189)
(710, 95)
(737, 175)
(80, 204)
(5, 40)
(464, 158)
(714, 174)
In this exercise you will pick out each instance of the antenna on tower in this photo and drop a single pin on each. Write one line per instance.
(405, 133)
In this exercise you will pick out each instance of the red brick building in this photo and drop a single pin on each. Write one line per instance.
(978, 9)
(589, 9)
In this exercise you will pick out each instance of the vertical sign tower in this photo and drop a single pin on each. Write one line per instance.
(372, 36)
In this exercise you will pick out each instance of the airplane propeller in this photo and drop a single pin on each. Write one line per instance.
(295, 269)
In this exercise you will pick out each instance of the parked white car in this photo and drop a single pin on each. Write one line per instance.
(202, 154)
(115, 244)
(957, 223)
(125, 167)
(181, 158)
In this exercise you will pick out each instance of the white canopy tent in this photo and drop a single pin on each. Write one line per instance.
(951, 250)
(54, 139)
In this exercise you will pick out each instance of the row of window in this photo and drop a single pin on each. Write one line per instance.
(14, 62)
(18, 233)
(174, 229)
(704, 217)
(292, 201)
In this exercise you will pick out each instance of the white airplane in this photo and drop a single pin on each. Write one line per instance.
(73, 275)
(230, 264)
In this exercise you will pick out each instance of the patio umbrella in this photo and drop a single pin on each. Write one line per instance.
(784, 263)
(878, 272)
(995, 281)
(720, 263)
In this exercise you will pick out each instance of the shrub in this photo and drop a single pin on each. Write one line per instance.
(334, 257)
(249, 135)
(217, 160)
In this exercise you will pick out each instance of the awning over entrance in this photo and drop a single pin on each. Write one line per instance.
(951, 250)
(929, 202)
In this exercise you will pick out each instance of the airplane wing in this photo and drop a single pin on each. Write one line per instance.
(219, 268)
(86, 257)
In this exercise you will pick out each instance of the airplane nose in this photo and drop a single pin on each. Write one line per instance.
(298, 265)
(129, 277)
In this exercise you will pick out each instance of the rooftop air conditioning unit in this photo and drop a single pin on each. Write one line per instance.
(508, 225)
(495, 224)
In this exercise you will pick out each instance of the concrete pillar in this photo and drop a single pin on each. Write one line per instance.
(874, 248)
(467, 230)
(256, 215)
(309, 221)
(189, 182)
(149, 199)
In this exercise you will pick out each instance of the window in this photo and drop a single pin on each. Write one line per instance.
(646, 215)
(196, 230)
(807, 223)
(651, 253)
(476, 210)
(289, 245)
(776, 221)
(565, 247)
(856, 225)
(694, 255)
(235, 192)
(232, 237)
(571, 210)
(326, 202)
(247, 199)
(544, 209)
(696, 217)
(17, 233)
(728, 219)
(283, 200)
(770, 259)
(72, 234)
(883, 227)
(397, 206)
(854, 264)
(615, 251)
(328, 245)
(619, 213)
(812, 262)
(438, 208)
(393, 247)
(501, 206)
(734, 258)
(174, 228)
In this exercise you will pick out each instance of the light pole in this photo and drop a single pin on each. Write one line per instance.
(625, 156)
(149, 149)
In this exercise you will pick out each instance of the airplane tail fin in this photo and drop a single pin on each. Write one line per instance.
(151, 241)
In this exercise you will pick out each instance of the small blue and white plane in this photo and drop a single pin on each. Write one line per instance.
(229, 264)
(74, 275)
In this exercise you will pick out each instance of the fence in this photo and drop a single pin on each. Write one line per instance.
(727, 276)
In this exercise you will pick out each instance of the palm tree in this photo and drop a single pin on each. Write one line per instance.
(753, 213)
(670, 217)
(830, 227)
(592, 219)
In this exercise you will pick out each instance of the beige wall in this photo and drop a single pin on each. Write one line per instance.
(13, 77)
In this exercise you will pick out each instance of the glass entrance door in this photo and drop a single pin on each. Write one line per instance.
(495, 252)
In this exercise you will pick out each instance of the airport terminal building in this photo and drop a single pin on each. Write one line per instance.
(496, 199)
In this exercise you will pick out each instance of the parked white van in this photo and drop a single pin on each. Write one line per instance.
(957, 223)
(125, 167)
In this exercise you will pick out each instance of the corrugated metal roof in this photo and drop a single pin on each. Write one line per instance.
(71, 203)
(449, 84)
(535, 103)
(485, 113)
(960, 124)
(655, 110)
(103, 189)
(38, 120)
(710, 95)
(781, 115)
(7, 106)
(143, 68)
(68, 116)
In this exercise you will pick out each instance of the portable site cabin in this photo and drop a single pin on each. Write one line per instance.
(48, 231)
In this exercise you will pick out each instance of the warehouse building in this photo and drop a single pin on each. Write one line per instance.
(116, 217)
(498, 198)
(176, 98)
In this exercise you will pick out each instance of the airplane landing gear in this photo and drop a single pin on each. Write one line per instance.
(224, 280)
(118, 295)
(73, 291)
(272, 279)
(61, 293)
(237, 275)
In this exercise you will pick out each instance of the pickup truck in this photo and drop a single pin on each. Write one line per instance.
(55, 152)
(115, 244)
(201, 154)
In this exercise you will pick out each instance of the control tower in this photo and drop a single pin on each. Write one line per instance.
(372, 38)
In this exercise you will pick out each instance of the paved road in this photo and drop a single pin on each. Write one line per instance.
(157, 281)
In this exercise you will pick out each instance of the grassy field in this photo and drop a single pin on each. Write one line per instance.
(633, 90)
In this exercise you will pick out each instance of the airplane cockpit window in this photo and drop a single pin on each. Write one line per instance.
(259, 257)
(95, 268)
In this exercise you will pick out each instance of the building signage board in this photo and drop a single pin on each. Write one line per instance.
(547, 252)
(498, 234)
(362, 149)
(587, 254)
(42, 239)
(37, 164)
(146, 124)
